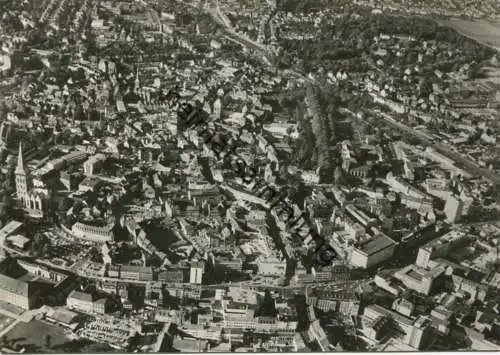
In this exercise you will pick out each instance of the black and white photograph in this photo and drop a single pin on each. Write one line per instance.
(249, 176)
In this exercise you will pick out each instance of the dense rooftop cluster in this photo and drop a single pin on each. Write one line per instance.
(124, 227)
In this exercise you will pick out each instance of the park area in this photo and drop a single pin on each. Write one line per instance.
(38, 336)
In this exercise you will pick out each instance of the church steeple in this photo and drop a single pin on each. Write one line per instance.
(20, 172)
(20, 161)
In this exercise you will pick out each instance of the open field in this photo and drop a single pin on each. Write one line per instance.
(483, 31)
(32, 336)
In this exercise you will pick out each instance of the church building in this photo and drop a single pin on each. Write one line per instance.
(34, 200)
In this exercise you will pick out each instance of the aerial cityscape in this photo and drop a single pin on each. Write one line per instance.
(249, 175)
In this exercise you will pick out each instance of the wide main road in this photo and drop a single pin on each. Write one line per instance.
(326, 285)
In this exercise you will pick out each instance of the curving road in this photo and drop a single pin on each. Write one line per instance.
(222, 19)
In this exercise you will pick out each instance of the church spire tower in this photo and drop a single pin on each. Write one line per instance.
(20, 172)
(137, 82)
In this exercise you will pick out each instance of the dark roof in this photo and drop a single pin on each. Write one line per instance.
(64, 316)
(380, 323)
(376, 244)
(81, 296)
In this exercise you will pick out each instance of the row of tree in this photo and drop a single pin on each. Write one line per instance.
(322, 129)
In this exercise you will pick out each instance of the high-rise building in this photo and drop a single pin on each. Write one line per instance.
(415, 332)
(373, 251)
(423, 257)
(456, 207)
(419, 335)
(217, 109)
(4, 131)
(18, 292)
(196, 272)
(137, 82)
(440, 247)
(453, 209)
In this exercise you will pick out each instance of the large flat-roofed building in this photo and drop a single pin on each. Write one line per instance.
(239, 319)
(415, 332)
(80, 301)
(345, 303)
(440, 247)
(20, 293)
(373, 251)
(85, 302)
(133, 272)
(456, 207)
(271, 267)
(196, 272)
(172, 275)
(91, 165)
(230, 263)
(420, 279)
(5, 233)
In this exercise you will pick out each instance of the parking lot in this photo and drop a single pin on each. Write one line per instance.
(32, 335)
(113, 332)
